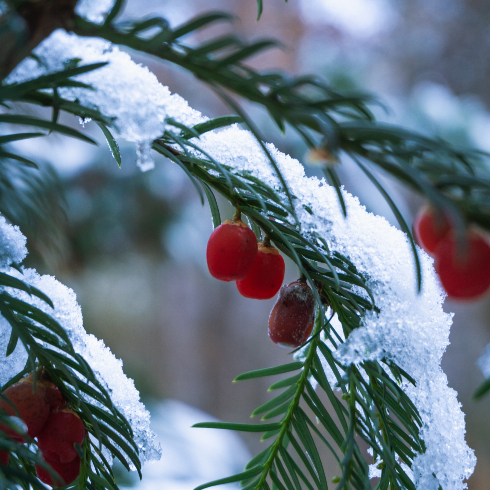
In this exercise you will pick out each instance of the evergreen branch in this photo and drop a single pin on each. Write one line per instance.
(336, 123)
(341, 124)
(293, 395)
(48, 346)
(366, 415)
(377, 408)
(269, 212)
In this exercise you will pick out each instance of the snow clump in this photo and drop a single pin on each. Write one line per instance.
(107, 369)
(94, 10)
(126, 92)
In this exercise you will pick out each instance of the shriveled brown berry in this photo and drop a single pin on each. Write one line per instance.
(60, 433)
(292, 317)
(32, 407)
(67, 471)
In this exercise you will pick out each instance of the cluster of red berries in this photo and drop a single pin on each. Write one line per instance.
(464, 273)
(233, 254)
(57, 428)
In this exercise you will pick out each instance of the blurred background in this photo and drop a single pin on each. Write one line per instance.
(132, 245)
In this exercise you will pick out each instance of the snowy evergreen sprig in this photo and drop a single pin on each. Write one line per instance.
(372, 395)
(367, 415)
(451, 178)
(48, 346)
(383, 404)
(34, 331)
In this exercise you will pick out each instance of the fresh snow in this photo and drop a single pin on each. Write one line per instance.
(94, 10)
(127, 92)
(67, 312)
(411, 329)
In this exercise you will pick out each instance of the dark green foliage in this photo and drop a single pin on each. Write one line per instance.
(48, 345)
(372, 407)
(43, 338)
(450, 178)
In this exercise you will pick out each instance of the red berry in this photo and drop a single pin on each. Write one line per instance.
(62, 430)
(67, 471)
(32, 407)
(231, 251)
(429, 227)
(463, 276)
(4, 457)
(56, 400)
(292, 317)
(266, 276)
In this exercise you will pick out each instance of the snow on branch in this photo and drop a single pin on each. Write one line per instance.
(126, 92)
(411, 328)
(94, 10)
(107, 369)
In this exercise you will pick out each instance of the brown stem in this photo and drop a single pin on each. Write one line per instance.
(28, 25)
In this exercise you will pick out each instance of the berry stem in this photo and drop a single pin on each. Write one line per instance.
(267, 241)
(237, 216)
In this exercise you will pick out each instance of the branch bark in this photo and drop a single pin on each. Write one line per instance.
(28, 23)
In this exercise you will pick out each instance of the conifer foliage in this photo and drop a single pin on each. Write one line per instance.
(373, 398)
